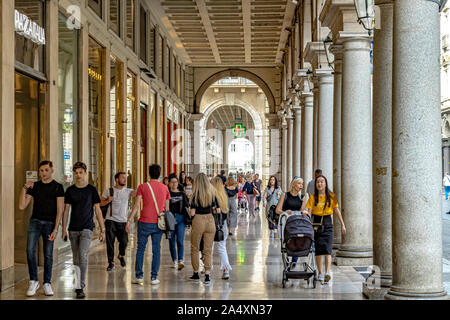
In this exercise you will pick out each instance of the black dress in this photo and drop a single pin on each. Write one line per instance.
(293, 203)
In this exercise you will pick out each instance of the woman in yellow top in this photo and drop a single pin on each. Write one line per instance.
(321, 205)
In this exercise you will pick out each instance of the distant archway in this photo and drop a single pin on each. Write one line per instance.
(234, 73)
(257, 133)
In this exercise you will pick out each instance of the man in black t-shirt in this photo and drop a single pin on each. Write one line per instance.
(48, 204)
(83, 198)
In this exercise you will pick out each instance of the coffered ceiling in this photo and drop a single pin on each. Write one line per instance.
(227, 32)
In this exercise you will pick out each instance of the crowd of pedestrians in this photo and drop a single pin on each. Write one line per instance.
(206, 205)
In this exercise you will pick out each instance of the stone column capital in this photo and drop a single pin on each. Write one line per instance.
(308, 99)
(195, 117)
(356, 37)
(326, 77)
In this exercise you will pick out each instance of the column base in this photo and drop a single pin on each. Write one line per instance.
(374, 293)
(398, 294)
(357, 258)
(6, 278)
(336, 245)
(356, 262)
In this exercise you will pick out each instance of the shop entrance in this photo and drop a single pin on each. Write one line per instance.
(28, 101)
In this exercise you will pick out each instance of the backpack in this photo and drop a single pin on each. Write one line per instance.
(104, 209)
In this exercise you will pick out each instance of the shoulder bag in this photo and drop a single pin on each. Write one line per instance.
(104, 209)
(166, 220)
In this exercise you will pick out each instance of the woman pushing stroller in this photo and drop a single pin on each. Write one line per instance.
(320, 206)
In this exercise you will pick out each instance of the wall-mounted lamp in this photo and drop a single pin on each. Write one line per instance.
(365, 13)
(326, 44)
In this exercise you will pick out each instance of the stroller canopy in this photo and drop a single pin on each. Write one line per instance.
(298, 226)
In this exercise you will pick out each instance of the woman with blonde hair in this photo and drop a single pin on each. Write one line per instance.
(222, 198)
(232, 192)
(292, 201)
(203, 201)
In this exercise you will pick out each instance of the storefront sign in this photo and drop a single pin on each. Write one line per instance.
(28, 28)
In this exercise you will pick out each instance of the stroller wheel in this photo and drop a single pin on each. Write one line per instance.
(314, 279)
(285, 278)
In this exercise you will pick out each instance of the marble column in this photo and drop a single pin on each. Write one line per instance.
(284, 146)
(325, 127)
(297, 139)
(7, 110)
(337, 99)
(356, 245)
(290, 140)
(382, 149)
(316, 124)
(416, 154)
(307, 137)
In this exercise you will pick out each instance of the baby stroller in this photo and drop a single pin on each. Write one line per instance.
(297, 240)
(243, 203)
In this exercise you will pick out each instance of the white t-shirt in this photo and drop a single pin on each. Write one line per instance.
(119, 205)
(446, 181)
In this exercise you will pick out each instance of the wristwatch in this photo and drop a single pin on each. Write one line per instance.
(25, 187)
(103, 231)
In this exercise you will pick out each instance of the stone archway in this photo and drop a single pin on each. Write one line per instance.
(257, 132)
(234, 73)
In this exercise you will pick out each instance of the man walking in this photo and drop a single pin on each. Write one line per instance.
(446, 183)
(83, 198)
(116, 217)
(48, 196)
(310, 187)
(258, 183)
(155, 197)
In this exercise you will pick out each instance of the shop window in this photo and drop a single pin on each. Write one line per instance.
(27, 51)
(166, 59)
(96, 84)
(131, 134)
(160, 56)
(143, 35)
(130, 30)
(115, 115)
(153, 129)
(96, 6)
(68, 101)
(114, 16)
(151, 47)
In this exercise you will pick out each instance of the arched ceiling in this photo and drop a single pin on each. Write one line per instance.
(226, 117)
(227, 32)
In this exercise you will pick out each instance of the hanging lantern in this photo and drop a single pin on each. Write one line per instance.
(365, 13)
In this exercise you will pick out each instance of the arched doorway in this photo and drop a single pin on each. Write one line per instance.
(209, 133)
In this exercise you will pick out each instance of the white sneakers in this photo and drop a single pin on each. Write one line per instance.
(175, 265)
(155, 281)
(34, 285)
(138, 280)
(180, 265)
(48, 289)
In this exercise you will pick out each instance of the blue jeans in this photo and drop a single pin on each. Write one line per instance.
(447, 191)
(36, 229)
(178, 238)
(144, 231)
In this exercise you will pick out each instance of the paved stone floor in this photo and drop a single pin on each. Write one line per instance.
(256, 274)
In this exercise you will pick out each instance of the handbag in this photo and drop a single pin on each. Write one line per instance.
(273, 216)
(219, 235)
(161, 219)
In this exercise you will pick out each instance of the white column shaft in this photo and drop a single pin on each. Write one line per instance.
(416, 153)
(297, 141)
(307, 137)
(325, 128)
(356, 246)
